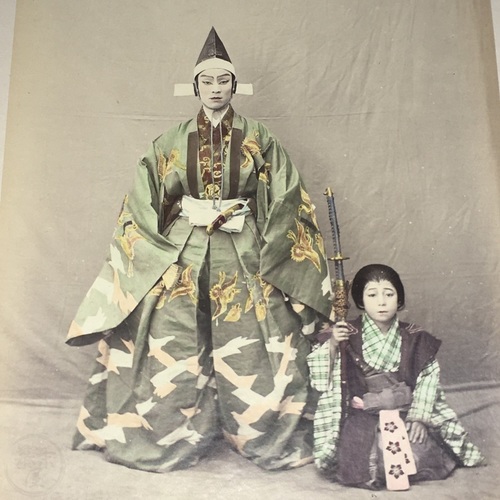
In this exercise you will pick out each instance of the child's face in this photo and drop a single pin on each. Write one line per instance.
(381, 302)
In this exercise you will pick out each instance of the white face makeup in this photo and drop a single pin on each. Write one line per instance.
(380, 300)
(215, 88)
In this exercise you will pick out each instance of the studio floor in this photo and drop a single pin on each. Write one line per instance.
(37, 462)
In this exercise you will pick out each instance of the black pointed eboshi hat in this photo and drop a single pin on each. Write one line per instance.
(213, 55)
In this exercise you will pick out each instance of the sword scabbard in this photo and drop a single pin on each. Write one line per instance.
(340, 304)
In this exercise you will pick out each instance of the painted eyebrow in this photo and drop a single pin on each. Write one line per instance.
(225, 75)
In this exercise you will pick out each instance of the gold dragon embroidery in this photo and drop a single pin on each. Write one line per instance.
(307, 207)
(261, 304)
(302, 246)
(234, 313)
(129, 237)
(185, 286)
(249, 148)
(223, 293)
(165, 166)
(168, 280)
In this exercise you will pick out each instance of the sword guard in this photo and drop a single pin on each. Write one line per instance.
(338, 258)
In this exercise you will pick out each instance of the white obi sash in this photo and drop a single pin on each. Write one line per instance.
(202, 213)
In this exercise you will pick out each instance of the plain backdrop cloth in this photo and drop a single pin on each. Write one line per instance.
(392, 104)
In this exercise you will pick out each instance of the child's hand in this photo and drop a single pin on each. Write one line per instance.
(417, 432)
(340, 332)
(357, 402)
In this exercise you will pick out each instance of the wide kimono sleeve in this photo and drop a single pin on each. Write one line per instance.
(429, 402)
(293, 254)
(329, 409)
(138, 256)
(425, 393)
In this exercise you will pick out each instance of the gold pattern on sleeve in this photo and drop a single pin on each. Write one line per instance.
(320, 243)
(162, 166)
(165, 166)
(127, 234)
(302, 248)
(249, 148)
(124, 213)
(307, 207)
(129, 237)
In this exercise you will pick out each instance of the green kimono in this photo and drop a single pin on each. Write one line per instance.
(201, 336)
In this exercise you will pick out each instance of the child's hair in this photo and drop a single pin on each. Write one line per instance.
(376, 272)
